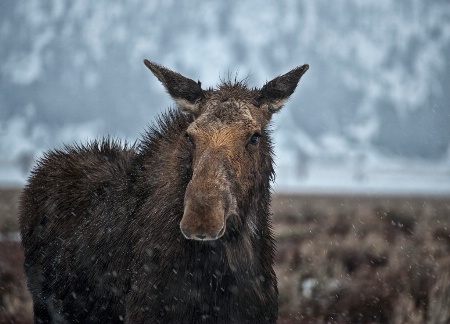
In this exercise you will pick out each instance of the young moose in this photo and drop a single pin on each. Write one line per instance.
(174, 229)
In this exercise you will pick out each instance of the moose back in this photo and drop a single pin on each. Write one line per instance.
(175, 228)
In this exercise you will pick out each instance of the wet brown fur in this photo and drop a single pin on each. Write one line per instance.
(173, 229)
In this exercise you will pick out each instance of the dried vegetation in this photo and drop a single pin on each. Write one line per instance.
(363, 259)
(339, 260)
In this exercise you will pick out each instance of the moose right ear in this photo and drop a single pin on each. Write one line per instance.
(186, 92)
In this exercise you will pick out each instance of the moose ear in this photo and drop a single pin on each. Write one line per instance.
(186, 92)
(275, 93)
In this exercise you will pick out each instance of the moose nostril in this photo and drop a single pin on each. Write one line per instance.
(201, 236)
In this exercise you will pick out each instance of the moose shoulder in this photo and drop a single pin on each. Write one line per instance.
(175, 228)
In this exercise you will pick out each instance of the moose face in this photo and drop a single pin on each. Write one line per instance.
(226, 140)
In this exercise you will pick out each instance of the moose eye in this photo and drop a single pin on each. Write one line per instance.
(255, 138)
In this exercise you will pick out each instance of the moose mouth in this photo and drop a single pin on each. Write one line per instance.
(203, 237)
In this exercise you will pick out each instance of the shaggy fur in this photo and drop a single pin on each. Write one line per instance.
(100, 226)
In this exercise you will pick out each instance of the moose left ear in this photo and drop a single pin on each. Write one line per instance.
(275, 93)
(186, 92)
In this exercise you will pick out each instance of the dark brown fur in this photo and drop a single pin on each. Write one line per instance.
(174, 229)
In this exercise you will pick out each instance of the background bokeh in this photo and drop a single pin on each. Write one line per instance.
(371, 115)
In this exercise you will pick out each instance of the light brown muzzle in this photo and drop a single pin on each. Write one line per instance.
(208, 200)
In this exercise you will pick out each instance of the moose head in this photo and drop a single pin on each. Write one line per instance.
(229, 144)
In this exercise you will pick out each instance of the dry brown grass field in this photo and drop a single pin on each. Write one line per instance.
(340, 259)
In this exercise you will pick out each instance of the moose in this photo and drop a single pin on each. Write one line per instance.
(173, 228)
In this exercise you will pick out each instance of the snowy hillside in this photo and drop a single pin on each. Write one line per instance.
(371, 115)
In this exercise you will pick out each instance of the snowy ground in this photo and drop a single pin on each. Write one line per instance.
(374, 174)
(379, 180)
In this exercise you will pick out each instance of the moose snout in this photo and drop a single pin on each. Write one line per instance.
(203, 222)
(208, 199)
